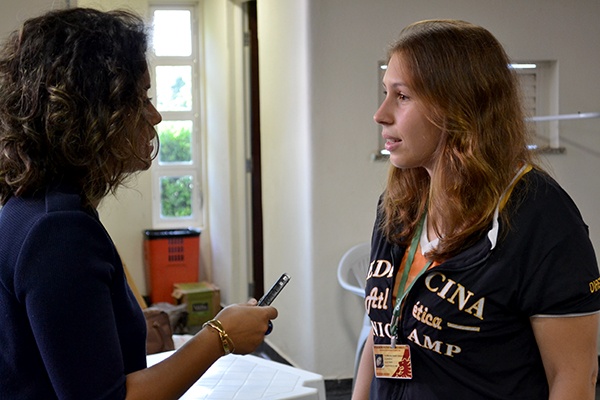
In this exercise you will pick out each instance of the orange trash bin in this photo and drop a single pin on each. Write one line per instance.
(171, 256)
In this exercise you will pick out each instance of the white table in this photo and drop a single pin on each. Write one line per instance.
(249, 377)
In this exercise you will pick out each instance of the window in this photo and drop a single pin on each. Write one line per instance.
(382, 154)
(527, 74)
(539, 94)
(176, 172)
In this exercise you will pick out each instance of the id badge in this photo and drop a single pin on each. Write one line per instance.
(392, 362)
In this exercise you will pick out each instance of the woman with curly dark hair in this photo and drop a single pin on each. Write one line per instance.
(483, 281)
(75, 122)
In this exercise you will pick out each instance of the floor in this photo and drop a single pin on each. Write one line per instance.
(342, 390)
(338, 390)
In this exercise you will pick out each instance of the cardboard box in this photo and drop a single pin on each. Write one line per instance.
(203, 301)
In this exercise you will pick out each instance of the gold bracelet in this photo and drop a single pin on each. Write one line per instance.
(228, 346)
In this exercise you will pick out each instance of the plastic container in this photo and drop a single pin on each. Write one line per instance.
(171, 256)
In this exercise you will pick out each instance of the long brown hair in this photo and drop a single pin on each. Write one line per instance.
(71, 99)
(460, 73)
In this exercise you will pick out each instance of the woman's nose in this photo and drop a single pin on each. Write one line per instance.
(155, 117)
(382, 116)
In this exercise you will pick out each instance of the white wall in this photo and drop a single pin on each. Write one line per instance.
(224, 149)
(287, 165)
(14, 12)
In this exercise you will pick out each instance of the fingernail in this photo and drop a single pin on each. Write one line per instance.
(270, 328)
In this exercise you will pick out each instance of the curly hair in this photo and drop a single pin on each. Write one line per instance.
(71, 96)
(460, 74)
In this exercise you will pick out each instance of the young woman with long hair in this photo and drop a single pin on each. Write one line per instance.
(483, 280)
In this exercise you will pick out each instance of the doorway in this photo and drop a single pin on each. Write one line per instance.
(254, 157)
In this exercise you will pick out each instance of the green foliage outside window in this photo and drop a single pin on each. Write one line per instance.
(176, 196)
(175, 147)
(175, 141)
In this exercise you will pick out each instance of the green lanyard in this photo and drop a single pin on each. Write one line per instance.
(401, 288)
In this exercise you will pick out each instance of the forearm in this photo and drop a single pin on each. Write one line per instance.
(574, 384)
(564, 388)
(172, 377)
(568, 346)
(245, 325)
(365, 372)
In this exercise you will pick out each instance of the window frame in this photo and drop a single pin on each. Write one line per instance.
(540, 98)
(193, 168)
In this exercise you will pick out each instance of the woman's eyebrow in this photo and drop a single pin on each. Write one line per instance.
(395, 86)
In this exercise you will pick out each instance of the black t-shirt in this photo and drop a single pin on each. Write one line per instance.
(467, 320)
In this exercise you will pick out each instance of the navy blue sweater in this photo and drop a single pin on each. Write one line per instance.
(70, 327)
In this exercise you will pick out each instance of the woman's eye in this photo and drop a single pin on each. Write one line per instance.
(402, 96)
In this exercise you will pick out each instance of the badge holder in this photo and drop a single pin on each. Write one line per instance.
(392, 362)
